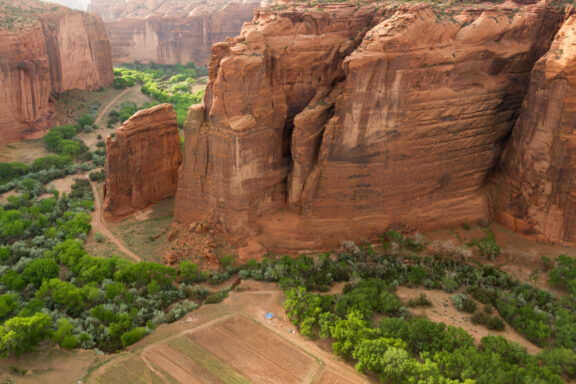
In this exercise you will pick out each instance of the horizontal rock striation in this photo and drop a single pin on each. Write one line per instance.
(52, 49)
(535, 190)
(142, 162)
(341, 122)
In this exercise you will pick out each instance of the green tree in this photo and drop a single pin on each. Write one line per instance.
(22, 334)
(8, 305)
(63, 335)
(349, 332)
(132, 336)
(39, 270)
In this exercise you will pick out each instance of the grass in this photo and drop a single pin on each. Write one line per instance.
(209, 362)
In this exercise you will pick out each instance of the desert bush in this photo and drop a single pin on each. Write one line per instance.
(421, 301)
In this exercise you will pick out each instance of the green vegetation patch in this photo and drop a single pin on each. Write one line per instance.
(165, 83)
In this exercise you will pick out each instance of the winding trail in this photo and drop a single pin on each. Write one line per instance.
(110, 104)
(99, 225)
(98, 221)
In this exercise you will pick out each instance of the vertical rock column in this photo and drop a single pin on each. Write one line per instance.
(142, 162)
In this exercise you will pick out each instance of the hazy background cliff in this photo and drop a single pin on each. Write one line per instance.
(46, 48)
(170, 31)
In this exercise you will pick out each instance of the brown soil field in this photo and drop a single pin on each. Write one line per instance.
(231, 343)
(255, 352)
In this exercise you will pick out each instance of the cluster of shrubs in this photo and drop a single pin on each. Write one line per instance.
(127, 109)
(165, 83)
(62, 139)
(50, 287)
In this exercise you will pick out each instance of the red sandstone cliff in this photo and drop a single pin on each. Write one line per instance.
(142, 162)
(322, 125)
(50, 49)
(170, 32)
(535, 193)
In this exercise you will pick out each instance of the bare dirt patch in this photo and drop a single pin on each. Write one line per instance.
(443, 311)
(25, 151)
(146, 233)
(4, 197)
(51, 366)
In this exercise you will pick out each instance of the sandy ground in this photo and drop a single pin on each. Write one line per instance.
(49, 366)
(443, 311)
(521, 256)
(25, 151)
(4, 197)
(98, 225)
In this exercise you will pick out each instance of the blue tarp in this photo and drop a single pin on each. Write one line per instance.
(269, 315)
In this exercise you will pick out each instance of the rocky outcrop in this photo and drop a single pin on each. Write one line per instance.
(142, 162)
(170, 32)
(320, 125)
(52, 49)
(535, 191)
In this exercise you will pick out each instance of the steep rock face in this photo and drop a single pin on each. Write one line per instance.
(51, 49)
(237, 147)
(78, 51)
(25, 110)
(142, 162)
(344, 122)
(170, 33)
(535, 192)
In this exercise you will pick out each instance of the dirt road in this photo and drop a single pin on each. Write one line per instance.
(99, 226)
(107, 108)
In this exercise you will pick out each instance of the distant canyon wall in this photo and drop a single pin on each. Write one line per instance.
(56, 52)
(170, 33)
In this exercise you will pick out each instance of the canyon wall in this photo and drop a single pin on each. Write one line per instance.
(341, 122)
(535, 189)
(170, 32)
(52, 49)
(142, 162)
